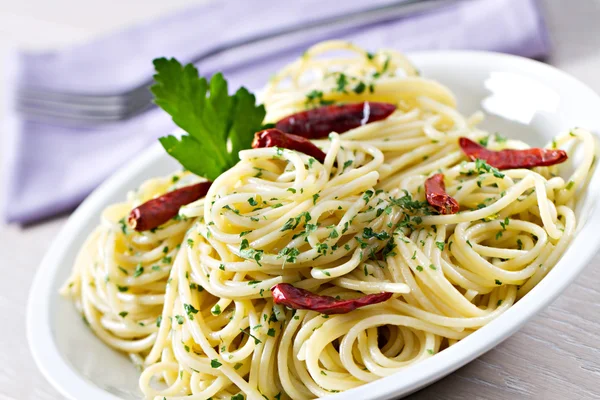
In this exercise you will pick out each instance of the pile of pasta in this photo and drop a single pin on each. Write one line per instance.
(190, 301)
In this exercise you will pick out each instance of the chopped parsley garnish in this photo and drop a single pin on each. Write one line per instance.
(256, 340)
(252, 202)
(293, 223)
(368, 233)
(360, 87)
(440, 245)
(290, 254)
(499, 138)
(483, 167)
(315, 98)
(249, 253)
(341, 83)
(214, 363)
(123, 224)
(218, 125)
(138, 271)
(123, 314)
(406, 202)
(190, 310)
(570, 185)
(179, 319)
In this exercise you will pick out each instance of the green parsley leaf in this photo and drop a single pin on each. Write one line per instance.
(570, 185)
(341, 83)
(123, 224)
(189, 309)
(360, 87)
(218, 126)
(519, 244)
(138, 270)
(214, 363)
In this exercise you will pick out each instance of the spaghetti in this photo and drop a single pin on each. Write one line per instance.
(190, 301)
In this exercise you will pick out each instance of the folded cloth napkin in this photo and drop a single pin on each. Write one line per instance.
(51, 168)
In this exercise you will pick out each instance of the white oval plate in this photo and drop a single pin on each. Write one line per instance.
(522, 99)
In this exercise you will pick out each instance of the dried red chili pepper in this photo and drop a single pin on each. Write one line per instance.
(300, 299)
(156, 212)
(511, 158)
(275, 138)
(435, 192)
(320, 122)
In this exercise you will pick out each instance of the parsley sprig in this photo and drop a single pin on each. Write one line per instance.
(217, 125)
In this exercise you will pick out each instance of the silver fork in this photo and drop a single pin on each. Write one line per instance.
(78, 108)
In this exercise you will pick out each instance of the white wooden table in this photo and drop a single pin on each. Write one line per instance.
(555, 356)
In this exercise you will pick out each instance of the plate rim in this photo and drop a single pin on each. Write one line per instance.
(72, 384)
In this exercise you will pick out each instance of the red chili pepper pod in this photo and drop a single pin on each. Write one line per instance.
(320, 122)
(511, 158)
(275, 138)
(300, 299)
(435, 192)
(156, 212)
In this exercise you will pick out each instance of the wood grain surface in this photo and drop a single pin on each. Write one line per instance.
(555, 356)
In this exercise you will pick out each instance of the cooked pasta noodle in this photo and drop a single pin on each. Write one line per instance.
(190, 302)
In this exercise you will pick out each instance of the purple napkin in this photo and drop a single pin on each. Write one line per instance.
(51, 168)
